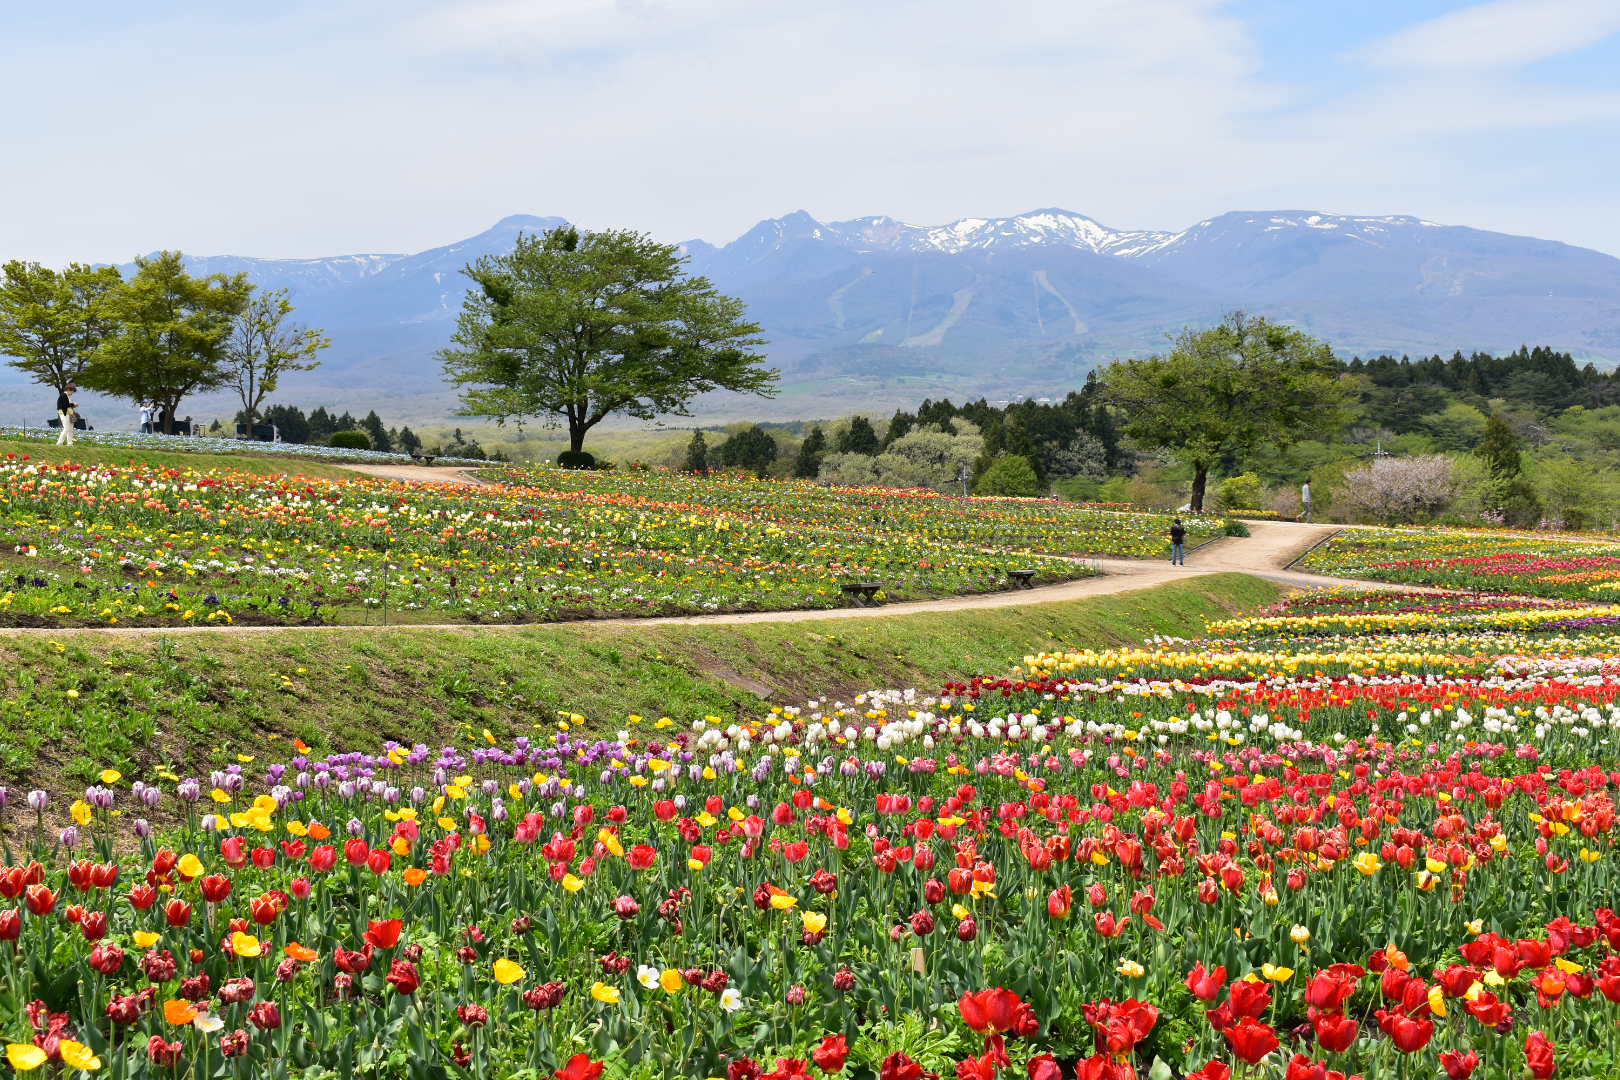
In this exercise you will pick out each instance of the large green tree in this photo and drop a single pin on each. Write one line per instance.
(1226, 390)
(52, 322)
(575, 327)
(171, 334)
(264, 345)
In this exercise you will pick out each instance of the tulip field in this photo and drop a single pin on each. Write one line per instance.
(1349, 835)
(137, 545)
(1534, 565)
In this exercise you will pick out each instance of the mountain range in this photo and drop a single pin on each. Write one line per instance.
(877, 312)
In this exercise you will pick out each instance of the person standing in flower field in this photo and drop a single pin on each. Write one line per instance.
(1178, 542)
(67, 411)
(1305, 507)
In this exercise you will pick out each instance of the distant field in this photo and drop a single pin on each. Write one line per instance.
(1528, 565)
(103, 537)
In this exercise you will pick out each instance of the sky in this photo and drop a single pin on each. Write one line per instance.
(321, 127)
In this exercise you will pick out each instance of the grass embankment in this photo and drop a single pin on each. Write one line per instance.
(258, 463)
(139, 703)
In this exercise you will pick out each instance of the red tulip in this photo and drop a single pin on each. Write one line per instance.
(264, 909)
(989, 1011)
(142, 896)
(1458, 1065)
(1407, 1033)
(1044, 1067)
(829, 1056)
(384, 934)
(580, 1067)
(265, 1015)
(403, 976)
(1108, 926)
(10, 924)
(41, 900)
(94, 925)
(1538, 1055)
(1214, 1070)
(323, 858)
(899, 1066)
(1060, 903)
(1206, 985)
(1249, 997)
(1334, 1031)
(379, 861)
(1250, 1039)
(106, 958)
(215, 887)
(177, 912)
(356, 851)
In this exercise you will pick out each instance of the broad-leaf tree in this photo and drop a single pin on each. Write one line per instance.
(572, 328)
(264, 345)
(1226, 390)
(52, 322)
(171, 334)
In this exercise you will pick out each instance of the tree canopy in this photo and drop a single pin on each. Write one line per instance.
(170, 333)
(575, 327)
(1225, 390)
(52, 322)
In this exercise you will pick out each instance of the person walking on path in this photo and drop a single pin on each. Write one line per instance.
(67, 411)
(1178, 541)
(1305, 506)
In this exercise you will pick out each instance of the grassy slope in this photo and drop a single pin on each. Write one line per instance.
(267, 464)
(197, 700)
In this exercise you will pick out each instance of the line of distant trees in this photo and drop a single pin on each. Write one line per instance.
(319, 426)
(1017, 449)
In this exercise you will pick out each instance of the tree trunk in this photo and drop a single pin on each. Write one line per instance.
(1200, 482)
(576, 435)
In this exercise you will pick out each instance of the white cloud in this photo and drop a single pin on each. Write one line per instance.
(1498, 34)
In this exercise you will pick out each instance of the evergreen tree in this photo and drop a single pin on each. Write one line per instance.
(321, 425)
(1499, 449)
(811, 450)
(900, 425)
(697, 453)
(751, 448)
(346, 422)
(859, 438)
(372, 425)
(290, 422)
(408, 442)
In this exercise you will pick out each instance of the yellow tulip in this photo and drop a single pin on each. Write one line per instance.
(671, 980)
(245, 945)
(508, 972)
(1367, 863)
(814, 921)
(572, 883)
(604, 993)
(782, 901)
(1276, 973)
(81, 811)
(190, 866)
(145, 939)
(111, 776)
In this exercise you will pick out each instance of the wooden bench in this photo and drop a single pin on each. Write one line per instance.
(1022, 579)
(861, 593)
(422, 459)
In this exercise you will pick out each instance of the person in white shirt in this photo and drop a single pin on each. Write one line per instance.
(1305, 500)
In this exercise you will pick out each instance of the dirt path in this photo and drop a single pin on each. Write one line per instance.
(1265, 553)
(422, 474)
